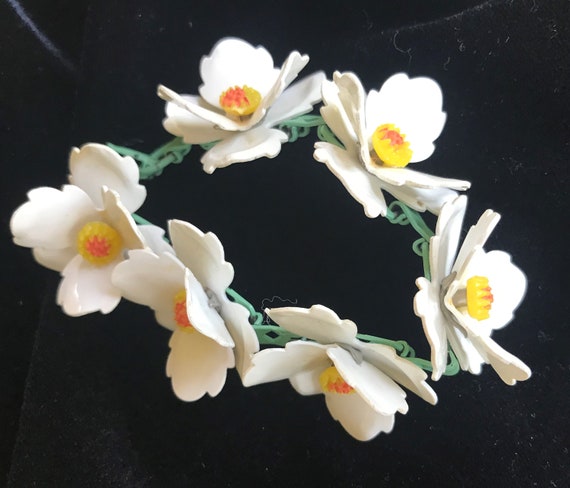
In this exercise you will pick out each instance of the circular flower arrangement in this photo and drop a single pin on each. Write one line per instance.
(246, 109)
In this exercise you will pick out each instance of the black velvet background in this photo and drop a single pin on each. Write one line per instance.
(85, 402)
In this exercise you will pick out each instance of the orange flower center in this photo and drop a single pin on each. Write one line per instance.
(391, 147)
(332, 382)
(479, 297)
(180, 314)
(99, 243)
(240, 101)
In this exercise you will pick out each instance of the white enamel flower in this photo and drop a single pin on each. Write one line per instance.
(242, 98)
(381, 134)
(360, 381)
(84, 229)
(469, 296)
(187, 293)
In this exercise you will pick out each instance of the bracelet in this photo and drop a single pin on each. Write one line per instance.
(90, 232)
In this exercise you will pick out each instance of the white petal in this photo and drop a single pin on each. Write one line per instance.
(318, 323)
(51, 218)
(510, 368)
(203, 254)
(210, 116)
(151, 280)
(307, 382)
(352, 97)
(477, 236)
(235, 62)
(197, 365)
(420, 199)
(294, 63)
(399, 369)
(55, 259)
(443, 245)
(410, 177)
(296, 100)
(202, 314)
(194, 130)
(470, 359)
(364, 187)
(85, 288)
(242, 147)
(427, 307)
(236, 318)
(277, 364)
(334, 115)
(154, 239)
(357, 417)
(94, 165)
(117, 215)
(374, 386)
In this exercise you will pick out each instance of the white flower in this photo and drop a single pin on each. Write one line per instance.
(382, 133)
(84, 229)
(187, 293)
(243, 97)
(359, 380)
(469, 298)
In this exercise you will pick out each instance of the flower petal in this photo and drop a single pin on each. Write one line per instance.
(363, 186)
(154, 239)
(357, 417)
(318, 323)
(235, 62)
(152, 280)
(194, 130)
(352, 97)
(379, 390)
(243, 147)
(334, 115)
(477, 236)
(294, 63)
(210, 116)
(469, 357)
(85, 288)
(203, 254)
(399, 369)
(55, 259)
(236, 318)
(510, 368)
(443, 245)
(51, 218)
(94, 166)
(420, 199)
(202, 313)
(277, 364)
(296, 100)
(197, 365)
(427, 307)
(410, 177)
(120, 219)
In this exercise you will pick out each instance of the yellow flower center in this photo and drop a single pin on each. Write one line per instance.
(479, 297)
(332, 382)
(391, 147)
(240, 101)
(180, 314)
(99, 243)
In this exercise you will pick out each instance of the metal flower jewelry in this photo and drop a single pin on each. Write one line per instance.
(247, 108)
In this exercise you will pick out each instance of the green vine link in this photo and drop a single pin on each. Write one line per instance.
(325, 134)
(151, 165)
(400, 214)
(300, 126)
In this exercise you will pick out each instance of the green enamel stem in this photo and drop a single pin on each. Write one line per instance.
(450, 370)
(140, 220)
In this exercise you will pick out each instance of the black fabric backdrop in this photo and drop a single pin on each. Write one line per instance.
(85, 402)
